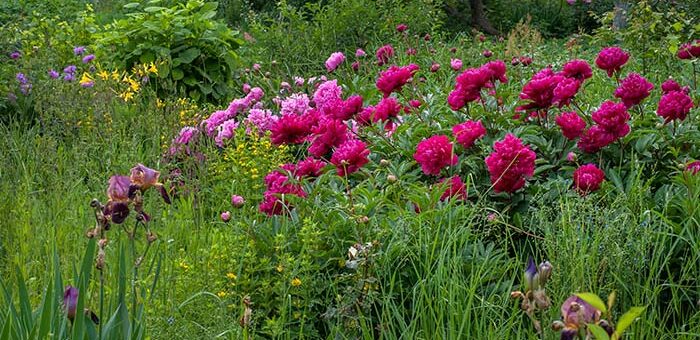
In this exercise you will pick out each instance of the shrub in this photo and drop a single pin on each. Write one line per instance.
(197, 50)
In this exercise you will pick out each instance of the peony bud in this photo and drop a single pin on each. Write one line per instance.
(237, 201)
(225, 216)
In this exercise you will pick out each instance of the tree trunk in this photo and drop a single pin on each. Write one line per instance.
(479, 19)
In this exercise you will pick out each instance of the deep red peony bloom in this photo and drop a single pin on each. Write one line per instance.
(565, 91)
(456, 189)
(346, 109)
(309, 167)
(328, 134)
(611, 59)
(468, 132)
(674, 105)
(395, 78)
(384, 53)
(671, 85)
(350, 157)
(577, 69)
(588, 178)
(510, 164)
(571, 124)
(689, 50)
(613, 117)
(633, 89)
(435, 153)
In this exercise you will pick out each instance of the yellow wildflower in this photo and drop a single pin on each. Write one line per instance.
(103, 74)
(115, 75)
(279, 268)
(127, 95)
(231, 276)
(221, 294)
(152, 68)
(296, 282)
(86, 80)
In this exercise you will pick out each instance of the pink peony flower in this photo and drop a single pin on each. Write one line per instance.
(611, 59)
(435, 153)
(498, 71)
(237, 201)
(577, 69)
(246, 88)
(225, 216)
(297, 103)
(689, 50)
(587, 178)
(292, 129)
(384, 53)
(434, 67)
(468, 132)
(262, 120)
(693, 167)
(565, 91)
(633, 89)
(401, 28)
(571, 157)
(456, 189)
(327, 94)
(395, 78)
(510, 164)
(674, 105)
(411, 51)
(298, 81)
(350, 157)
(334, 61)
(360, 53)
(328, 134)
(309, 167)
(613, 117)
(226, 131)
(456, 64)
(571, 124)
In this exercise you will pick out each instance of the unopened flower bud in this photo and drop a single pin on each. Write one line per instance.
(544, 271)
(237, 201)
(151, 237)
(384, 162)
(391, 178)
(557, 326)
(225, 216)
(363, 219)
(571, 157)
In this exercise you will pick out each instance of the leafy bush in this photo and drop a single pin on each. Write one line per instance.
(197, 50)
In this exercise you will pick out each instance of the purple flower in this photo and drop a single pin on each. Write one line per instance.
(70, 301)
(68, 77)
(530, 275)
(53, 74)
(88, 58)
(70, 69)
(237, 201)
(225, 216)
(21, 78)
(25, 88)
(15, 55)
(79, 50)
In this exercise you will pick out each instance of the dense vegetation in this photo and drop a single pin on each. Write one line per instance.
(196, 170)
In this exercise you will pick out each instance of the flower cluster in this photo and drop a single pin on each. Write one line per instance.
(394, 78)
(471, 82)
(611, 124)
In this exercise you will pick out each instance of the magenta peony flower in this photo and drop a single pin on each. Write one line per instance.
(395, 78)
(594, 139)
(226, 131)
(384, 53)
(571, 124)
(587, 178)
(611, 59)
(693, 167)
(468, 132)
(689, 50)
(456, 64)
(469, 85)
(435, 153)
(328, 134)
(671, 85)
(292, 128)
(411, 51)
(350, 157)
(456, 189)
(633, 89)
(401, 28)
(355, 65)
(577, 69)
(309, 167)
(674, 105)
(613, 117)
(565, 91)
(487, 53)
(434, 67)
(539, 91)
(510, 164)
(334, 61)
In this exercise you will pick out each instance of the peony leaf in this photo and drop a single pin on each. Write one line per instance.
(626, 320)
(593, 300)
(598, 332)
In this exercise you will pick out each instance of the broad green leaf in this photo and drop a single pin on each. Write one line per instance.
(189, 55)
(131, 5)
(594, 300)
(626, 320)
(598, 332)
(153, 9)
(177, 74)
